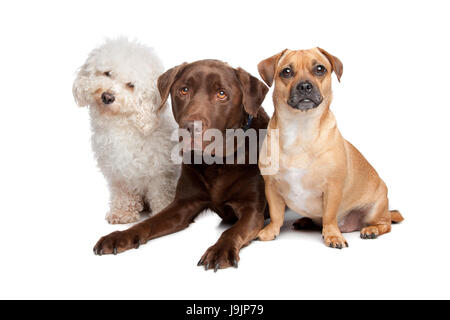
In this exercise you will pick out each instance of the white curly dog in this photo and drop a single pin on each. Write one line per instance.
(130, 137)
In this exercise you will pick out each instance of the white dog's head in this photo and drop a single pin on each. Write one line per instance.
(119, 79)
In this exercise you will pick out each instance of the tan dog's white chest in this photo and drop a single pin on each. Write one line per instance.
(297, 191)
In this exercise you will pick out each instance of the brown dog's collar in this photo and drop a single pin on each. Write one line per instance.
(249, 122)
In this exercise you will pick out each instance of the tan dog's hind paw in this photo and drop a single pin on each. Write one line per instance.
(335, 241)
(122, 217)
(371, 232)
(269, 233)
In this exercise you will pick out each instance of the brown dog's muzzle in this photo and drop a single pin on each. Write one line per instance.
(194, 127)
(193, 137)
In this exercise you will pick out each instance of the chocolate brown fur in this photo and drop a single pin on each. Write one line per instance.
(235, 192)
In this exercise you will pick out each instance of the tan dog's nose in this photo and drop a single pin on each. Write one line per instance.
(108, 98)
(305, 87)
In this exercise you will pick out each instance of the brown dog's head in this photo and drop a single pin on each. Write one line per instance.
(213, 93)
(302, 78)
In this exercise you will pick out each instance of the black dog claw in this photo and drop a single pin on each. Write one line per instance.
(200, 263)
(235, 264)
(115, 251)
(217, 267)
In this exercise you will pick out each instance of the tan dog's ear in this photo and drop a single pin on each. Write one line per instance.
(267, 68)
(165, 82)
(336, 64)
(253, 91)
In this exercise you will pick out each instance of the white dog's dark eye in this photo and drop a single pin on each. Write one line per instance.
(130, 85)
(287, 73)
(107, 73)
(319, 70)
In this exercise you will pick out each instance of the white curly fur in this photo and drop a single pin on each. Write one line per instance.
(130, 138)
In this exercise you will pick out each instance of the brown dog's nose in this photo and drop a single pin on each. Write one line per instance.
(108, 98)
(193, 127)
(305, 87)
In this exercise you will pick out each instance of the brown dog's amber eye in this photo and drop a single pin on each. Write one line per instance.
(221, 94)
(320, 70)
(184, 91)
(130, 85)
(287, 73)
(107, 73)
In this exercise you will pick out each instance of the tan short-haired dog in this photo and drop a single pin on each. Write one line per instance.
(320, 175)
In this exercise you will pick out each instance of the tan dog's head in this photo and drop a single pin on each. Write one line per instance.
(302, 78)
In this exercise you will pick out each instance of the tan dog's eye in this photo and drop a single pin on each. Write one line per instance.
(319, 70)
(221, 94)
(184, 91)
(287, 73)
(130, 85)
(107, 73)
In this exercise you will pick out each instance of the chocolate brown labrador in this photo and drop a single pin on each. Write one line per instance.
(220, 97)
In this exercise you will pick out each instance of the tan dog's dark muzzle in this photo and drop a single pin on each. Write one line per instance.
(304, 96)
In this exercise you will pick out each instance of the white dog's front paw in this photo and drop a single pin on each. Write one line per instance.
(122, 217)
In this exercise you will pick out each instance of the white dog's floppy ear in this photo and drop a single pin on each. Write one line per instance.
(253, 90)
(79, 88)
(336, 64)
(165, 82)
(267, 67)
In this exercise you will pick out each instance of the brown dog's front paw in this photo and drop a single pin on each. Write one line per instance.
(220, 256)
(335, 241)
(117, 242)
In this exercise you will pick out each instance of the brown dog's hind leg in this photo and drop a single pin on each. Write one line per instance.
(305, 224)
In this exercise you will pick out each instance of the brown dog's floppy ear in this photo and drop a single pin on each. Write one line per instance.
(253, 91)
(165, 82)
(336, 64)
(267, 67)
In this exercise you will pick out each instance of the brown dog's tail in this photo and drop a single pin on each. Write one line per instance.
(396, 216)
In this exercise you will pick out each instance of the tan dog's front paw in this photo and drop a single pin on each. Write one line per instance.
(335, 241)
(269, 233)
(122, 217)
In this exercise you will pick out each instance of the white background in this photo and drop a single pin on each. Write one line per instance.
(392, 103)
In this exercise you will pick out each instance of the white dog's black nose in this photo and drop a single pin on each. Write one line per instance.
(108, 98)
